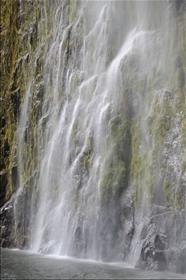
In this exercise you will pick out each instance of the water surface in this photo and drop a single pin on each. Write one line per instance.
(18, 264)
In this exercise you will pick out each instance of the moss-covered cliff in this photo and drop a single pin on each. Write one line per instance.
(10, 94)
(52, 55)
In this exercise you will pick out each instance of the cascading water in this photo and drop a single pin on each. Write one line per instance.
(105, 67)
(73, 162)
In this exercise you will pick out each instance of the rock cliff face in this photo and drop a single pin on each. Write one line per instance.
(10, 99)
(24, 29)
(124, 154)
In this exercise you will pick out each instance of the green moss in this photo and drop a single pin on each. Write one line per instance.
(167, 190)
(117, 156)
(183, 132)
(88, 152)
(163, 125)
(151, 184)
(145, 164)
(180, 78)
(9, 45)
(114, 181)
(180, 100)
(120, 135)
(179, 196)
(183, 165)
(136, 162)
(160, 120)
(72, 9)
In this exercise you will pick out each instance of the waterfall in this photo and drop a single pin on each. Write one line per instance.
(98, 120)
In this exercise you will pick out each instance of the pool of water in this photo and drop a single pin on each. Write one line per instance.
(18, 264)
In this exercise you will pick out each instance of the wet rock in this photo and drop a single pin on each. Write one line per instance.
(181, 268)
(176, 259)
(77, 233)
(152, 252)
(5, 226)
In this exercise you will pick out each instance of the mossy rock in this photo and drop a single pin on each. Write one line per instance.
(114, 181)
(167, 190)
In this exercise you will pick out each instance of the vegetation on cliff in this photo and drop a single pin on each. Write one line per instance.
(143, 154)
